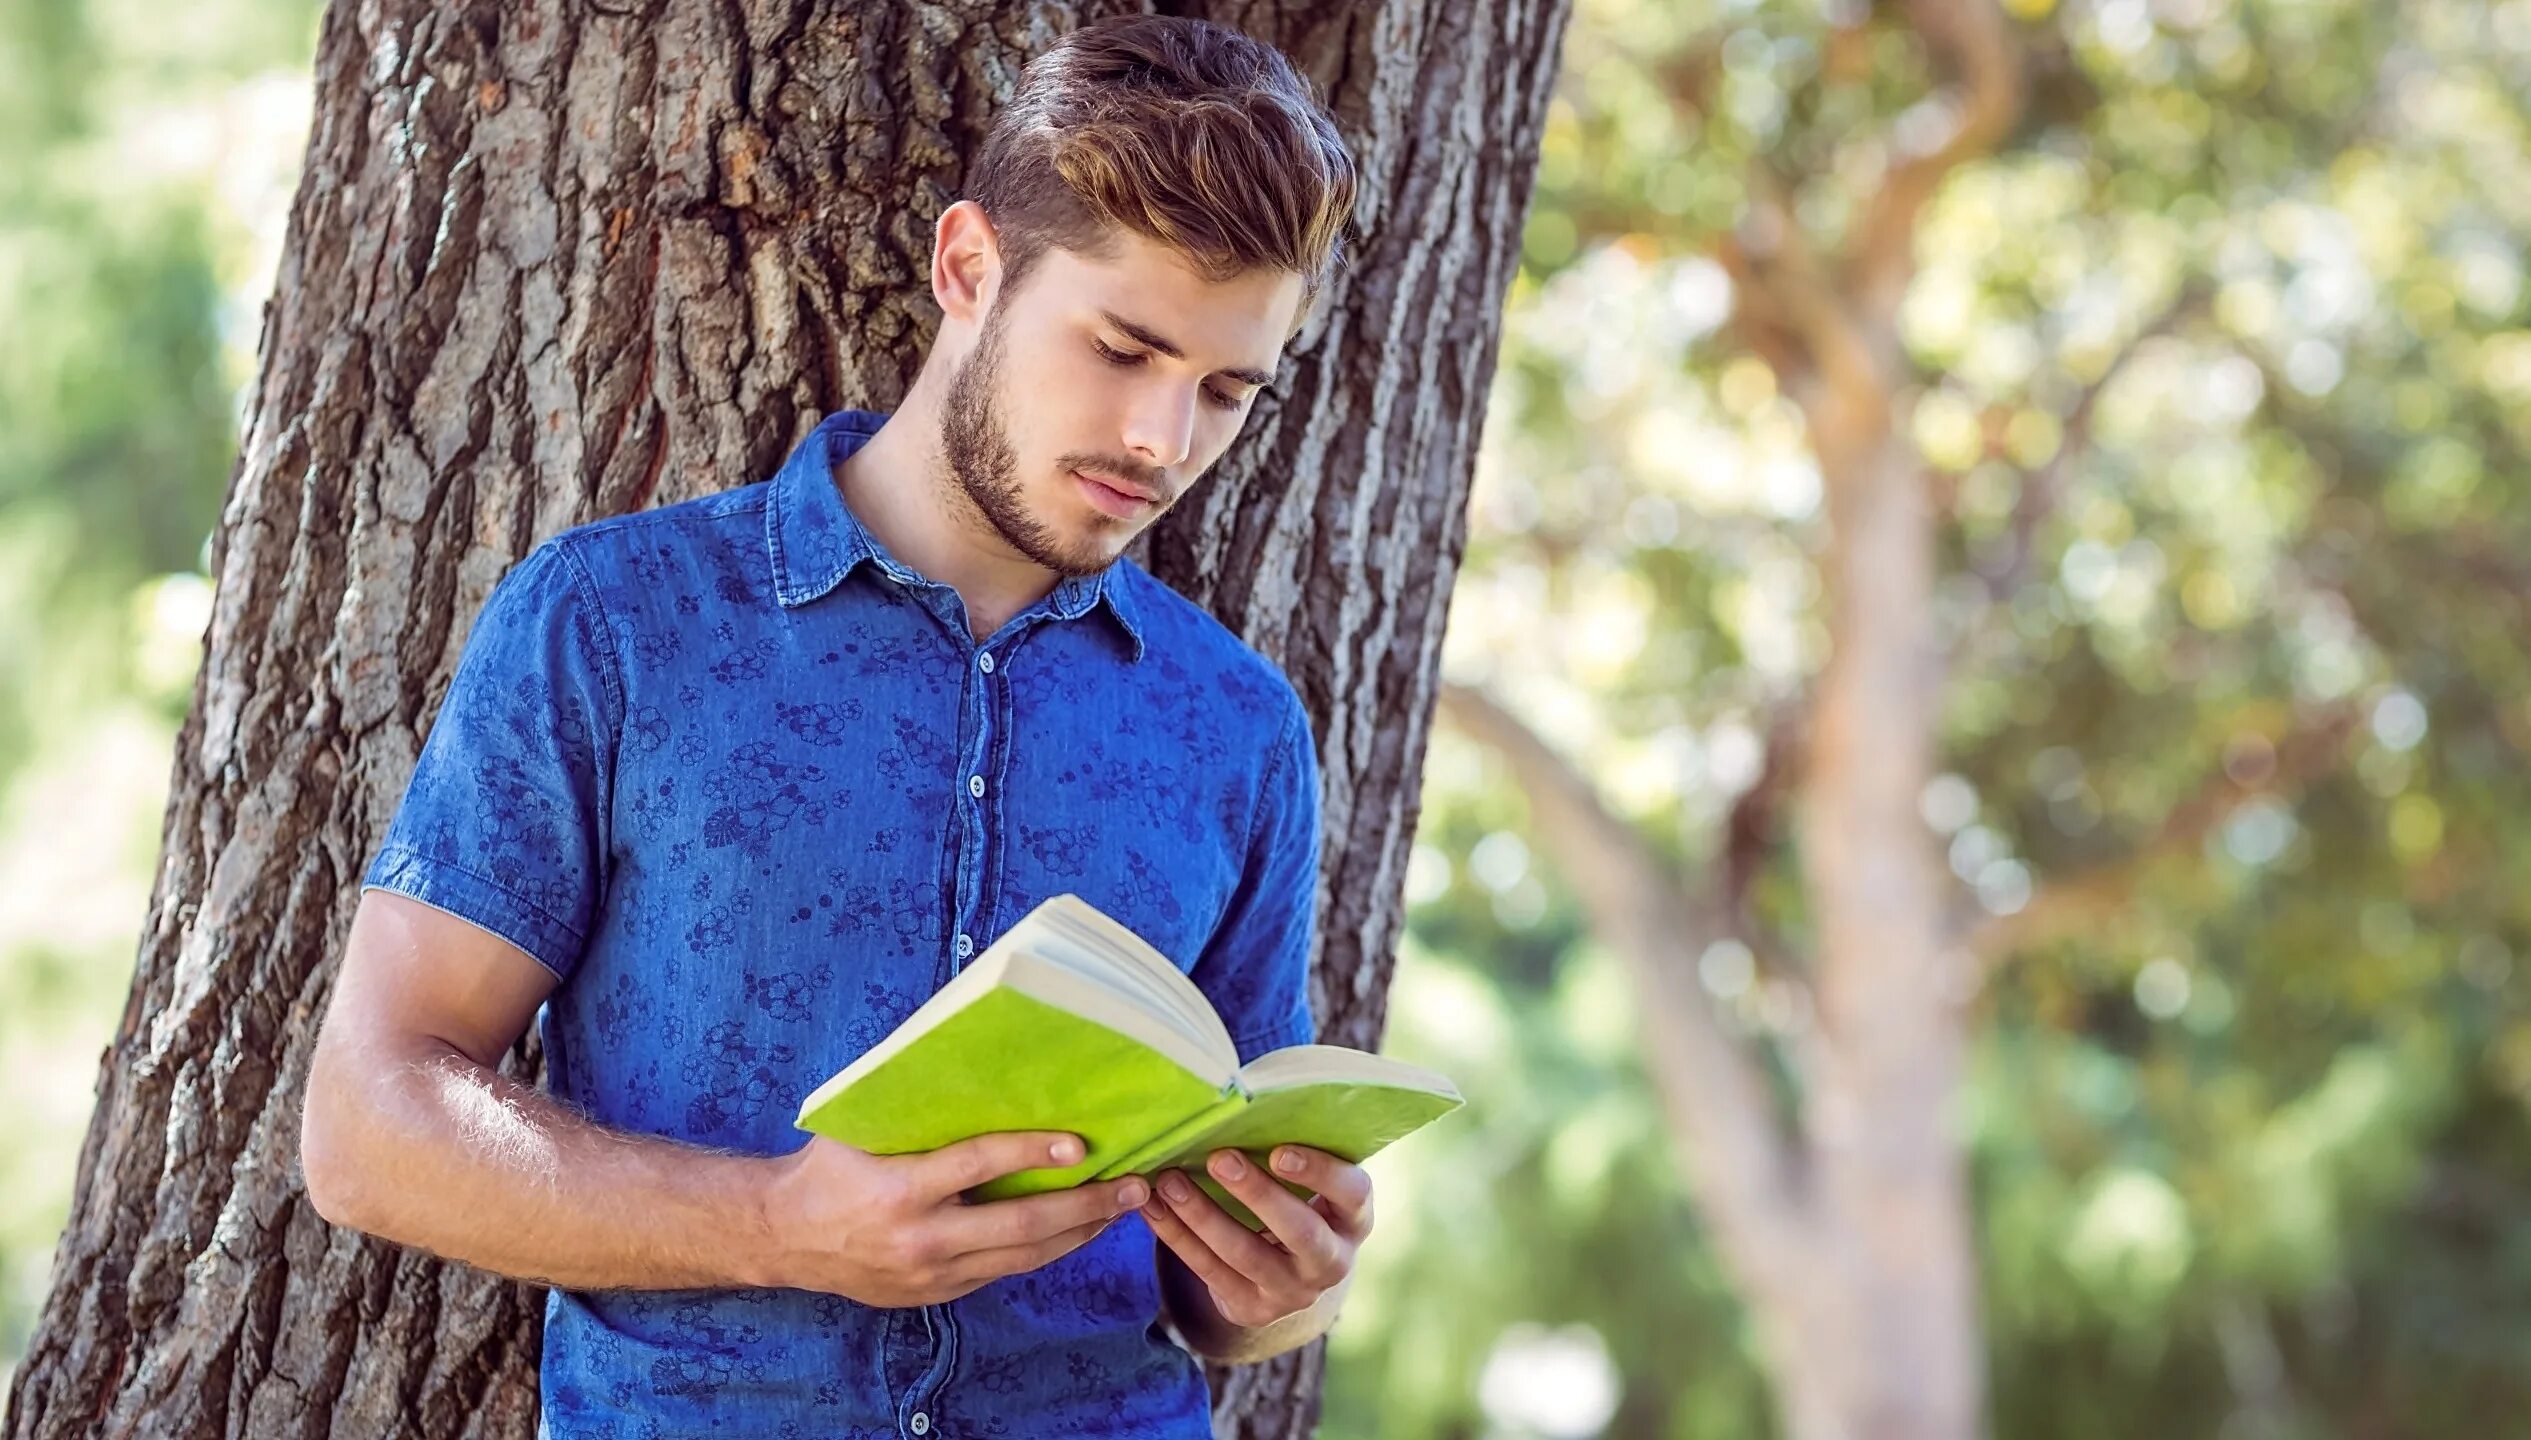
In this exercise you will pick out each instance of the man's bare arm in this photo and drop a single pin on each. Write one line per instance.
(411, 1135)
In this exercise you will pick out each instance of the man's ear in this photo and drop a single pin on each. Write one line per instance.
(966, 262)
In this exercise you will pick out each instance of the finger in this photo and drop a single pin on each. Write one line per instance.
(988, 1265)
(1029, 1219)
(968, 1163)
(1197, 1256)
(1236, 1244)
(1343, 1188)
(1316, 1252)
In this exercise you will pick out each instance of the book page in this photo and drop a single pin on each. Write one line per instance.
(1295, 1065)
(1090, 995)
(1080, 936)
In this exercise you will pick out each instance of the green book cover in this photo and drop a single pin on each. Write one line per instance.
(1071, 1022)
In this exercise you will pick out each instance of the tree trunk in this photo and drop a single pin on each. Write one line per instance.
(1845, 1224)
(549, 264)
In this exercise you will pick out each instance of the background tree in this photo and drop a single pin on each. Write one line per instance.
(2190, 394)
(1843, 1216)
(550, 264)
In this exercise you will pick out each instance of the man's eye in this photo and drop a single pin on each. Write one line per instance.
(1124, 359)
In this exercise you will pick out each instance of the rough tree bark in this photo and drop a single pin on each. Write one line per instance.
(553, 262)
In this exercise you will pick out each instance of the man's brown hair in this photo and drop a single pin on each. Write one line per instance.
(1190, 133)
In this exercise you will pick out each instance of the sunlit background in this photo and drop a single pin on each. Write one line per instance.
(2222, 371)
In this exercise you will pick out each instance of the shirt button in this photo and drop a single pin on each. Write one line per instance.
(966, 946)
(975, 786)
(984, 662)
(921, 1424)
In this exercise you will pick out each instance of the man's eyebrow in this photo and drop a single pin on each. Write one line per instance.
(1156, 341)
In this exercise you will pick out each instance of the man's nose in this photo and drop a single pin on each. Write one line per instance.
(1162, 427)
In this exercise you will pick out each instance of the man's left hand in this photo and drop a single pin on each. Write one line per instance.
(1306, 1249)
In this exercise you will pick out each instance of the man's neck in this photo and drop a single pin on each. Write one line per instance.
(899, 487)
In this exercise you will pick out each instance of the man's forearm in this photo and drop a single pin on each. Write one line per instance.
(1191, 1311)
(440, 1153)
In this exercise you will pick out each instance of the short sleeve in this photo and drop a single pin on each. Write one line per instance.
(1255, 969)
(503, 823)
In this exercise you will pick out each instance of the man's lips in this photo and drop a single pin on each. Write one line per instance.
(1120, 486)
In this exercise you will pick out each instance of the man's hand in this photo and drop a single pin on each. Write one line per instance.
(892, 1229)
(1306, 1250)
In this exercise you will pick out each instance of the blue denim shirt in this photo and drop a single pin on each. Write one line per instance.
(746, 784)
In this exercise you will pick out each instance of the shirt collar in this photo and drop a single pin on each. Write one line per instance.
(813, 539)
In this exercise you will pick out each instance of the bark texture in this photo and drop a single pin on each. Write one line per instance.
(553, 262)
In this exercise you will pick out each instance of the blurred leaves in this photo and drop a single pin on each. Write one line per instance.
(2221, 370)
(149, 155)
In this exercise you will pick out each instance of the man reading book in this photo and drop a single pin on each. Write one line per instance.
(726, 789)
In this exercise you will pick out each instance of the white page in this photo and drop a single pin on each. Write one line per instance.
(1297, 1065)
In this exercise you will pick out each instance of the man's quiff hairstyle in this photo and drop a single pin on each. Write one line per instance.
(1187, 132)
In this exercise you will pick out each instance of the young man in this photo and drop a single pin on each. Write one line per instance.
(730, 787)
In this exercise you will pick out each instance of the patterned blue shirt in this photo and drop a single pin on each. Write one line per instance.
(749, 787)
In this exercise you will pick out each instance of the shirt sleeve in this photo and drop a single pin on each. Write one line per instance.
(504, 821)
(1255, 969)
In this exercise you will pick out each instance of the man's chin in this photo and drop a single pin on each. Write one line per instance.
(1085, 560)
(1082, 547)
(1096, 537)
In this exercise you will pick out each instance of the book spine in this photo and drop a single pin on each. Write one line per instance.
(1144, 1158)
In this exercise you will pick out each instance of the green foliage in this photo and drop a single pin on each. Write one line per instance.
(2222, 372)
(122, 274)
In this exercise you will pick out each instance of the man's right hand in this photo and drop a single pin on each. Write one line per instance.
(892, 1230)
(411, 1133)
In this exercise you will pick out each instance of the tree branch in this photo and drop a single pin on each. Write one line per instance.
(1790, 302)
(1973, 40)
(2045, 486)
(1743, 1161)
(2088, 900)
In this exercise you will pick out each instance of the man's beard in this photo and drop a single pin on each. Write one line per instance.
(977, 448)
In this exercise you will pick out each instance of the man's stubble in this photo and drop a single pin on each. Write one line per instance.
(976, 446)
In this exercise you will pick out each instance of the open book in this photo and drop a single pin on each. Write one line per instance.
(1072, 1022)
